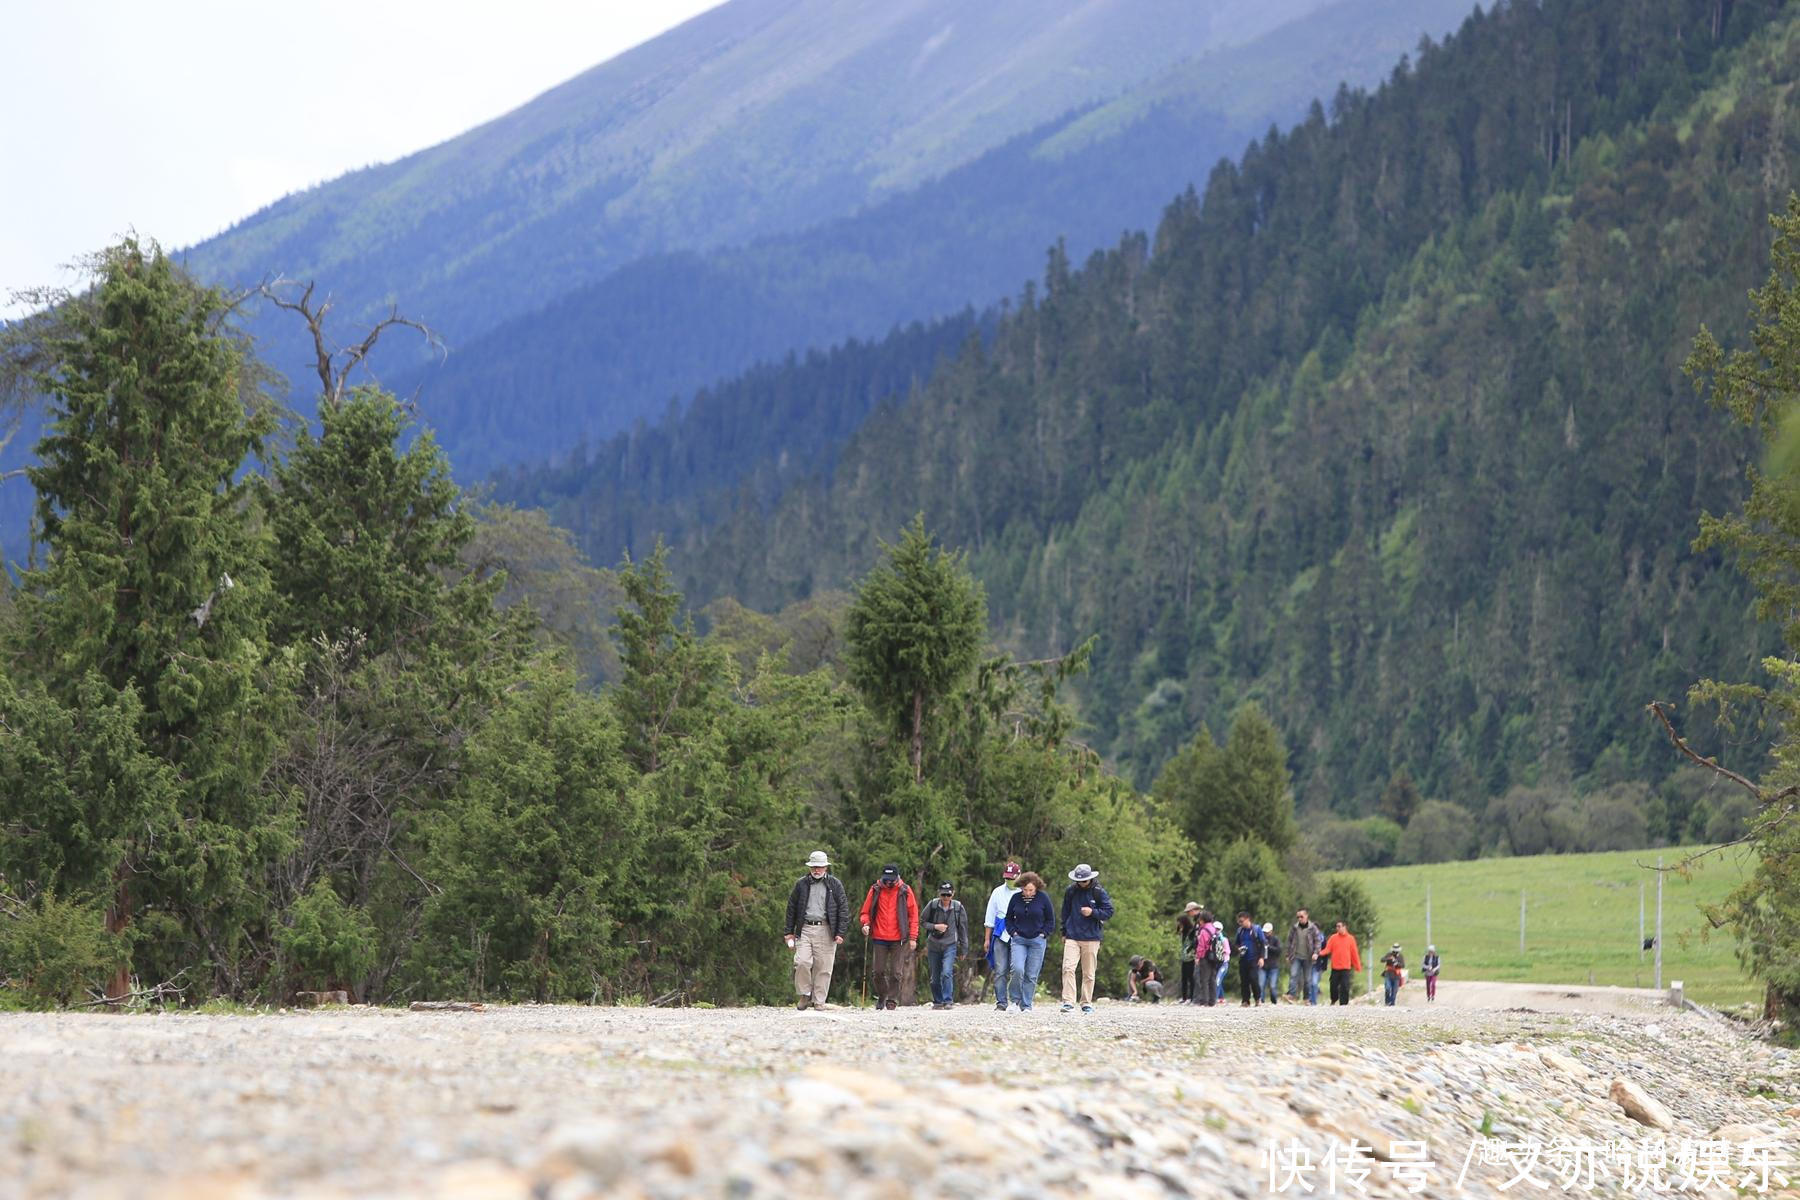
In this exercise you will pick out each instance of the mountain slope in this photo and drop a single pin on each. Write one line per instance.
(603, 355)
(758, 117)
(1388, 432)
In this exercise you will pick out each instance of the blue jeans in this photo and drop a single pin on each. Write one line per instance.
(1002, 971)
(1219, 980)
(1271, 981)
(941, 967)
(1303, 982)
(1027, 962)
(1390, 988)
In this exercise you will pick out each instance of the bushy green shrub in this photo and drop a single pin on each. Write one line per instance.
(326, 941)
(52, 951)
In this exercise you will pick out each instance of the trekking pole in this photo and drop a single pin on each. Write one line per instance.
(865, 985)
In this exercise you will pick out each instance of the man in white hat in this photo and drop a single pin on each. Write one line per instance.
(1085, 910)
(818, 912)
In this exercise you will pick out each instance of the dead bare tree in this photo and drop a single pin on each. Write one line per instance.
(334, 363)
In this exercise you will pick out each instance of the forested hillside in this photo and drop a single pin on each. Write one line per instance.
(755, 119)
(592, 361)
(1385, 428)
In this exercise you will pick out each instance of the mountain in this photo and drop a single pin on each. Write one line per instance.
(601, 356)
(755, 118)
(1386, 429)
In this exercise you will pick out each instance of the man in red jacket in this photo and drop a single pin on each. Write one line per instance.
(1344, 959)
(890, 916)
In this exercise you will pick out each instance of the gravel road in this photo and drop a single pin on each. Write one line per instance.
(566, 1102)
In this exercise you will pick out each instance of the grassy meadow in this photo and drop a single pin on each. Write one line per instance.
(1581, 919)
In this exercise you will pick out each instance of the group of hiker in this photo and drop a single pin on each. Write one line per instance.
(1208, 949)
(1016, 929)
(1017, 925)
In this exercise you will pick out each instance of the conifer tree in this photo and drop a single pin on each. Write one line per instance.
(914, 632)
(154, 583)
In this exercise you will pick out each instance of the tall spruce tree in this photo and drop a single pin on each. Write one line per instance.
(914, 632)
(154, 583)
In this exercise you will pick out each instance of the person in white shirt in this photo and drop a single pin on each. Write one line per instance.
(996, 942)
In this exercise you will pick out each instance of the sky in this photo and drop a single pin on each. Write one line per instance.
(176, 118)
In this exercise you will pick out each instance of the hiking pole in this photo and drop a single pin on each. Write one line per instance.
(865, 990)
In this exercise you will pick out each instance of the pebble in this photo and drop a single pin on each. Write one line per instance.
(568, 1103)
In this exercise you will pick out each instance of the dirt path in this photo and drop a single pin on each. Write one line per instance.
(1539, 997)
(1134, 1101)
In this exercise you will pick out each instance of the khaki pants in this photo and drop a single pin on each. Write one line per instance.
(814, 955)
(1086, 955)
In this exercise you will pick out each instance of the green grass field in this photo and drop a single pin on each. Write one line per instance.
(1581, 919)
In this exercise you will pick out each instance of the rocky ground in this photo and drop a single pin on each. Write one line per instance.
(1131, 1101)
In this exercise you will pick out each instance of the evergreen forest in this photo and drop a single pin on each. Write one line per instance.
(1353, 515)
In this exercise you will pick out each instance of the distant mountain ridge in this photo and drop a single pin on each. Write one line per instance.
(604, 355)
(755, 118)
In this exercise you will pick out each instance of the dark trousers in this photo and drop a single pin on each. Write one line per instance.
(1340, 986)
(1188, 991)
(886, 970)
(1249, 979)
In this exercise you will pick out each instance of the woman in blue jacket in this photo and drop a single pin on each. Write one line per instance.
(1030, 918)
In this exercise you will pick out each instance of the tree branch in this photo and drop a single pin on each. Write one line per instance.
(1764, 800)
(334, 363)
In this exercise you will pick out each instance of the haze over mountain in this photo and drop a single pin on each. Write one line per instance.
(603, 355)
(764, 119)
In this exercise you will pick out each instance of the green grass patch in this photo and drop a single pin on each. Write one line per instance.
(1581, 919)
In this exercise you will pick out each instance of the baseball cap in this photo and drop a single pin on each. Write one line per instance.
(1011, 871)
(944, 889)
(889, 873)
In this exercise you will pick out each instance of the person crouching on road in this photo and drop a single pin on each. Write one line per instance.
(946, 937)
(1030, 920)
(995, 941)
(1344, 960)
(1086, 908)
(818, 913)
(890, 916)
(1144, 981)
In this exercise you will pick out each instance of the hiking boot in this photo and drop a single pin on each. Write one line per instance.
(1087, 1008)
(1068, 1007)
(806, 1002)
(1000, 1007)
(892, 1005)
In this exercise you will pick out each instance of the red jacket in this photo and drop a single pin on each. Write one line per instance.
(885, 905)
(1340, 950)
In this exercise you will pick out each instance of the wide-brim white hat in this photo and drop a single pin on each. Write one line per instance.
(1083, 873)
(818, 858)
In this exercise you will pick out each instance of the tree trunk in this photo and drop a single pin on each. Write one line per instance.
(918, 735)
(118, 919)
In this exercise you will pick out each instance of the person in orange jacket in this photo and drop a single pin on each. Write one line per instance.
(1344, 959)
(890, 916)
